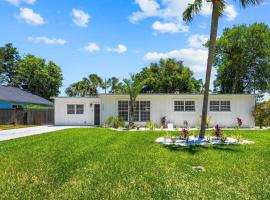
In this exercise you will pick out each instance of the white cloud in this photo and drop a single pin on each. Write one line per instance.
(169, 27)
(194, 58)
(30, 17)
(197, 41)
(230, 12)
(206, 9)
(46, 40)
(91, 47)
(80, 18)
(19, 2)
(119, 49)
(148, 8)
(171, 12)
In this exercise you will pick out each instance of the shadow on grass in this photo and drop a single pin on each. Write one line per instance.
(193, 149)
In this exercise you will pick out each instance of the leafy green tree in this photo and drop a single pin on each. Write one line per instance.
(168, 76)
(9, 59)
(217, 10)
(243, 51)
(133, 87)
(38, 77)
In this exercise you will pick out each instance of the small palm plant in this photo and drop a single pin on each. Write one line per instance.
(218, 8)
(133, 88)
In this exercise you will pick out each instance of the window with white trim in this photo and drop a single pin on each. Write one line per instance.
(79, 109)
(184, 105)
(123, 110)
(214, 105)
(223, 106)
(189, 105)
(71, 109)
(141, 110)
(179, 105)
(144, 111)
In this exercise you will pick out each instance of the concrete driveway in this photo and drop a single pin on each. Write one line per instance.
(23, 132)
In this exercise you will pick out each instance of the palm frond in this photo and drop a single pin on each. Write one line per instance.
(222, 6)
(192, 9)
(246, 3)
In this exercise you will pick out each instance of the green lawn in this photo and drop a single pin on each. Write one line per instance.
(11, 126)
(103, 164)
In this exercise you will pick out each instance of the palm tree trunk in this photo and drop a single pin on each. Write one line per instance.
(211, 51)
(131, 113)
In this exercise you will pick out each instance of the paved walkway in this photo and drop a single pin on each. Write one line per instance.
(23, 132)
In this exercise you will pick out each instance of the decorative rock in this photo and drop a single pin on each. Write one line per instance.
(198, 168)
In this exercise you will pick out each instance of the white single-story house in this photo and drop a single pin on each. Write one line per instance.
(223, 109)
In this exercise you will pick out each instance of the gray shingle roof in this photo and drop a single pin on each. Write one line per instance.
(12, 94)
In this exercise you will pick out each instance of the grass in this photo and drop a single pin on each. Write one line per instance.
(11, 126)
(104, 164)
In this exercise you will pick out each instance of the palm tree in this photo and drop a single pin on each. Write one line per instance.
(218, 8)
(86, 87)
(80, 89)
(105, 85)
(133, 89)
(94, 81)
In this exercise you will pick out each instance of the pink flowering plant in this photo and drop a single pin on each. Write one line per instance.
(185, 134)
(217, 131)
(239, 122)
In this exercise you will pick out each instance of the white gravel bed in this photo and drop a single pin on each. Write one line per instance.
(192, 140)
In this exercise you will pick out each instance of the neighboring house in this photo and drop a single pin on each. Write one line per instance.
(11, 97)
(223, 109)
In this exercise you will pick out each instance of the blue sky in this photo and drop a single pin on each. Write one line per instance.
(114, 37)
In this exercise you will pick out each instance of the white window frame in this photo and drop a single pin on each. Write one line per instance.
(73, 109)
(123, 110)
(140, 112)
(81, 110)
(221, 105)
(184, 106)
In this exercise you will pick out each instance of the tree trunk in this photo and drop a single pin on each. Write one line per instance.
(131, 112)
(235, 81)
(211, 51)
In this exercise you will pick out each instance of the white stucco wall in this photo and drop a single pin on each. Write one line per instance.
(62, 118)
(161, 105)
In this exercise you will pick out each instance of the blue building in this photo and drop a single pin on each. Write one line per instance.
(11, 97)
